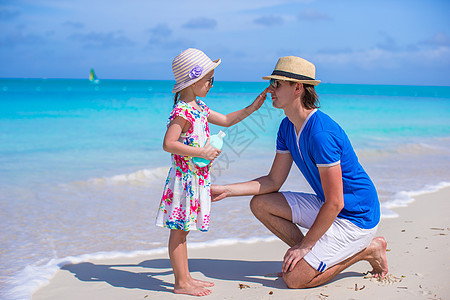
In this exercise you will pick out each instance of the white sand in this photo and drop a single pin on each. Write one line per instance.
(419, 267)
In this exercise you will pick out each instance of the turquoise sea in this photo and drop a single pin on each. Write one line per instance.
(82, 166)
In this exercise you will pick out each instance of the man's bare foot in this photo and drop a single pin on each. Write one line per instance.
(201, 282)
(378, 259)
(191, 289)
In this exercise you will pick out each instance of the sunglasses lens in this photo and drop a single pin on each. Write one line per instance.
(212, 81)
(273, 83)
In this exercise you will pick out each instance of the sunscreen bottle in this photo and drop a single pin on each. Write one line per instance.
(217, 142)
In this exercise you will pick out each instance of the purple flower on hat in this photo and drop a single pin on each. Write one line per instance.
(196, 72)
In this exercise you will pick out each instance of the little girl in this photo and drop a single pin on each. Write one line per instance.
(186, 200)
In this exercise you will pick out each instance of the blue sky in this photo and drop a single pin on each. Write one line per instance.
(361, 42)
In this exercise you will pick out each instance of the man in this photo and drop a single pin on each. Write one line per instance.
(343, 214)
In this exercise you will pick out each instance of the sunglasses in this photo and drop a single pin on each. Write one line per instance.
(211, 81)
(274, 83)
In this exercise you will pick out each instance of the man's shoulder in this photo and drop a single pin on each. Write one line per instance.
(285, 123)
(324, 123)
(325, 129)
(322, 117)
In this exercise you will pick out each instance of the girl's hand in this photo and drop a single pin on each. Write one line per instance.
(218, 192)
(209, 152)
(259, 101)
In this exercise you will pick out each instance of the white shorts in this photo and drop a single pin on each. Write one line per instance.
(342, 240)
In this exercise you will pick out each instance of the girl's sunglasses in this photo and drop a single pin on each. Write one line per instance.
(211, 81)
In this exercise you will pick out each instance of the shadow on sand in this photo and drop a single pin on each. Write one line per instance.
(232, 270)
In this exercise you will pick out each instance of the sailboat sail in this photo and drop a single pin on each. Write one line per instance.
(92, 76)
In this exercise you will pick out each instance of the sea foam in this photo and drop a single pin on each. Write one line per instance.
(403, 198)
(139, 177)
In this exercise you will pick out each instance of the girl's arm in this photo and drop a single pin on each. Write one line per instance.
(230, 119)
(172, 145)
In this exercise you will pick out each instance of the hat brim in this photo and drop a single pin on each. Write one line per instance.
(279, 77)
(182, 85)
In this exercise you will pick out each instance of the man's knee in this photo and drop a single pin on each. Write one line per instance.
(273, 203)
(261, 204)
(294, 284)
(295, 281)
(301, 277)
(258, 204)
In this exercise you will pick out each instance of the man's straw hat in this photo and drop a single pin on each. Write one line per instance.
(190, 66)
(293, 68)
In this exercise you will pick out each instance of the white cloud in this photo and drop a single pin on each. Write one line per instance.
(313, 15)
(76, 25)
(103, 39)
(439, 39)
(200, 23)
(7, 14)
(271, 20)
(20, 38)
(378, 58)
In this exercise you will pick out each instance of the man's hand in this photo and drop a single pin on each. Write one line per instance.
(219, 192)
(293, 256)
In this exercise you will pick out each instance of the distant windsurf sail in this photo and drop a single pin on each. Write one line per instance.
(92, 76)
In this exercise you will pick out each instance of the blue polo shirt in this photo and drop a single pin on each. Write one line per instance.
(321, 142)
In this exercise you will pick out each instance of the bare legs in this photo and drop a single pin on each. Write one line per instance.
(304, 276)
(275, 213)
(184, 283)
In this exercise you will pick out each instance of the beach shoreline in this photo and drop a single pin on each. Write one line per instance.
(418, 266)
(88, 183)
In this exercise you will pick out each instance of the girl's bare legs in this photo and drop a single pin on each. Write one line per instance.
(184, 283)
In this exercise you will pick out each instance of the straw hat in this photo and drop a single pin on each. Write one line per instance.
(293, 68)
(190, 66)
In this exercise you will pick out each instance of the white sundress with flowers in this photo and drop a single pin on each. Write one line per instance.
(186, 199)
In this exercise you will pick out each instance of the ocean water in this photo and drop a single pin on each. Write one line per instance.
(82, 166)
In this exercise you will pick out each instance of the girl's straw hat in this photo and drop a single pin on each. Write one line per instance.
(293, 68)
(190, 66)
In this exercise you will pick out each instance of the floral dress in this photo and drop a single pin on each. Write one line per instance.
(186, 199)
